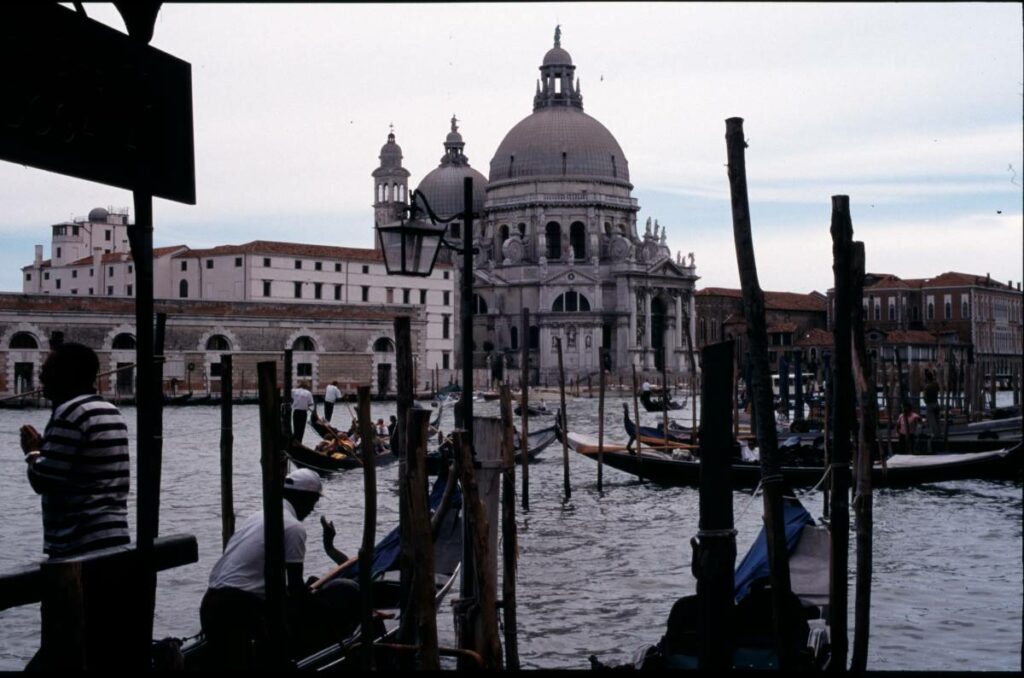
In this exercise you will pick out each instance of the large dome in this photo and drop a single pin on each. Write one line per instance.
(557, 141)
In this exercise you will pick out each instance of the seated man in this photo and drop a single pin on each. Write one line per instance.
(232, 611)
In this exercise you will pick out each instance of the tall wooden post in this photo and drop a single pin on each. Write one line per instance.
(715, 545)
(863, 499)
(524, 400)
(403, 405)
(369, 460)
(667, 399)
(483, 620)
(600, 422)
(422, 594)
(636, 419)
(509, 535)
(565, 423)
(227, 438)
(273, 514)
(286, 398)
(771, 467)
(845, 305)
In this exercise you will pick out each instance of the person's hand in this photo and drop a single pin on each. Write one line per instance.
(329, 531)
(30, 439)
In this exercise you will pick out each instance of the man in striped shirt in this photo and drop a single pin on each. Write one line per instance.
(80, 464)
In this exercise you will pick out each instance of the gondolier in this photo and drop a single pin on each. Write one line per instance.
(331, 396)
(302, 401)
(232, 611)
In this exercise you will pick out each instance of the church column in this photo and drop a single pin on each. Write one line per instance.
(648, 354)
(680, 330)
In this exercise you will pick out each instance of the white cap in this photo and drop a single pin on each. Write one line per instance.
(304, 480)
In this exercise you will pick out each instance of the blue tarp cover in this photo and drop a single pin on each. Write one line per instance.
(755, 563)
(385, 552)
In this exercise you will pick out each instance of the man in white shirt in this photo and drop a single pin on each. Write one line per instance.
(233, 610)
(302, 401)
(331, 396)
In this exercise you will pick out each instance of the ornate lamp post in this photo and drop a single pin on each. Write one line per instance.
(410, 247)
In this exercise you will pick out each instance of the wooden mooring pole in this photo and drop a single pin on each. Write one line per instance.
(567, 489)
(636, 419)
(771, 468)
(271, 446)
(369, 460)
(227, 438)
(842, 397)
(600, 422)
(524, 400)
(509, 535)
(421, 549)
(863, 374)
(714, 556)
(403, 405)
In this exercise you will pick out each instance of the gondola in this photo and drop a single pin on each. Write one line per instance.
(538, 441)
(532, 410)
(660, 404)
(179, 399)
(447, 560)
(753, 643)
(650, 435)
(329, 463)
(901, 470)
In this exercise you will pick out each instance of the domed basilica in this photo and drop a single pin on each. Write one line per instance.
(558, 236)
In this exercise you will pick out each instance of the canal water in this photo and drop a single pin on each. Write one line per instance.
(597, 574)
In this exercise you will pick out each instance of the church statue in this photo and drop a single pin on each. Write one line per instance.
(690, 255)
(558, 35)
(648, 225)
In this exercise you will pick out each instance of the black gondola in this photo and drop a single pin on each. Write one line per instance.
(753, 642)
(538, 441)
(447, 562)
(328, 463)
(652, 403)
(901, 469)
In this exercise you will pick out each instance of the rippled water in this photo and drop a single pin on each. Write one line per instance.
(598, 574)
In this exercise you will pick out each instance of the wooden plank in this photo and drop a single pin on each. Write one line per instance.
(369, 523)
(509, 536)
(273, 515)
(227, 438)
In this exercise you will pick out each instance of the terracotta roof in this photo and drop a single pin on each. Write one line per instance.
(947, 279)
(815, 337)
(294, 249)
(781, 327)
(193, 307)
(776, 301)
(45, 264)
(909, 337)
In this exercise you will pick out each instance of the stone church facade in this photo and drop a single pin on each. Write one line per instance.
(559, 237)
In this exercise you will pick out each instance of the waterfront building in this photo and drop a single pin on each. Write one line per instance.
(957, 309)
(788, 316)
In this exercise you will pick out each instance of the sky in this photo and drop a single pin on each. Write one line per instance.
(913, 110)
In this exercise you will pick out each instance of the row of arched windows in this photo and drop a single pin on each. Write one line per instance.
(126, 342)
(577, 240)
(390, 193)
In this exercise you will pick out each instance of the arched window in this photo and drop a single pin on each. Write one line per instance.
(123, 342)
(502, 235)
(623, 229)
(534, 337)
(383, 345)
(570, 302)
(514, 338)
(479, 305)
(553, 234)
(183, 289)
(218, 342)
(522, 229)
(380, 192)
(703, 330)
(303, 344)
(23, 340)
(607, 228)
(578, 240)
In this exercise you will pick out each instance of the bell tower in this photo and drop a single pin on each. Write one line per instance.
(390, 185)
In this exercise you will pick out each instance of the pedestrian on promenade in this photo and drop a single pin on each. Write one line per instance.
(331, 396)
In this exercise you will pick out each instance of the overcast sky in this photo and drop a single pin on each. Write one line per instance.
(913, 110)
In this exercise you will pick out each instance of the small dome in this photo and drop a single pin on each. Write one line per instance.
(443, 189)
(453, 138)
(557, 56)
(391, 153)
(98, 214)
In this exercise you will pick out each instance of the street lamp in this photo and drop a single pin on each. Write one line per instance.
(411, 248)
